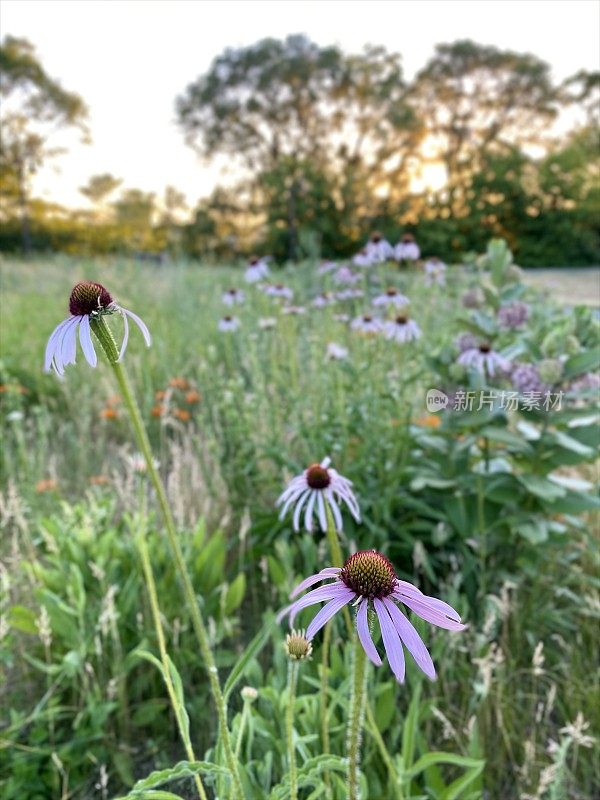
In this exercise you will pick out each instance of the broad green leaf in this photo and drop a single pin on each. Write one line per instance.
(541, 487)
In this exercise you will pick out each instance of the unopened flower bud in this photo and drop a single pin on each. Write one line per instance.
(550, 370)
(249, 694)
(297, 646)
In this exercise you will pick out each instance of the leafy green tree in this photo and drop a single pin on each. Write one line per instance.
(34, 107)
(283, 109)
(99, 188)
(477, 100)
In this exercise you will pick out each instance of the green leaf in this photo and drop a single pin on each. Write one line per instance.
(22, 619)
(409, 731)
(183, 769)
(251, 651)
(504, 436)
(455, 790)
(235, 594)
(569, 443)
(541, 487)
(535, 531)
(437, 757)
(587, 361)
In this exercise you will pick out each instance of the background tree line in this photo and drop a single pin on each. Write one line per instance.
(327, 146)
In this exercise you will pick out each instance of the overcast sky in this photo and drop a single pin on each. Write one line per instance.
(129, 59)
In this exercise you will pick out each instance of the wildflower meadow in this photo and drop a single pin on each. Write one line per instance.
(323, 530)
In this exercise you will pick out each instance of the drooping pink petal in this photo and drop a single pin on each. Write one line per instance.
(327, 612)
(411, 639)
(87, 345)
(364, 634)
(52, 341)
(298, 509)
(319, 595)
(431, 612)
(391, 640)
(328, 572)
(140, 323)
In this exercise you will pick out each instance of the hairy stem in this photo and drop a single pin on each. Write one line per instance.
(356, 718)
(289, 728)
(109, 346)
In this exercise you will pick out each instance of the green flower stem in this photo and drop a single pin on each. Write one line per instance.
(325, 742)
(337, 561)
(243, 723)
(160, 635)
(109, 346)
(355, 720)
(289, 728)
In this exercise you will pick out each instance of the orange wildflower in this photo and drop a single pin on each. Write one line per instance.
(428, 421)
(160, 395)
(157, 410)
(193, 397)
(109, 413)
(182, 414)
(179, 383)
(99, 480)
(48, 485)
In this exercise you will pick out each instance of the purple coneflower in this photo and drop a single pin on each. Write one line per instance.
(391, 297)
(402, 329)
(349, 294)
(366, 324)
(227, 324)
(435, 272)
(233, 296)
(278, 290)
(378, 249)
(317, 486)
(257, 269)
(407, 249)
(293, 310)
(336, 352)
(484, 360)
(368, 580)
(362, 259)
(513, 316)
(345, 275)
(323, 300)
(88, 301)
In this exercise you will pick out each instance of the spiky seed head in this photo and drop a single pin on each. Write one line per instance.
(376, 236)
(391, 291)
(408, 237)
(369, 574)
(317, 477)
(401, 319)
(88, 297)
(297, 646)
(484, 347)
(249, 694)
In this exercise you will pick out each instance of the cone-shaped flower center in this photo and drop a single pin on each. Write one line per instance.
(401, 319)
(369, 574)
(231, 291)
(227, 319)
(253, 260)
(367, 318)
(408, 237)
(317, 477)
(375, 237)
(391, 292)
(484, 348)
(87, 297)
